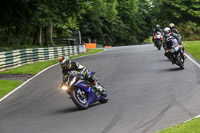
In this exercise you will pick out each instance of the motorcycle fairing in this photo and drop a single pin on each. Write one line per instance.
(88, 87)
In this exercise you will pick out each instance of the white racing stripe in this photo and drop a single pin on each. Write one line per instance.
(37, 75)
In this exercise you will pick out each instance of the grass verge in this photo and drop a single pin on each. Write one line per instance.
(37, 67)
(7, 85)
(192, 126)
(193, 48)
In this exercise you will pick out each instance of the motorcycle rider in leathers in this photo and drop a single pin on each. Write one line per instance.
(157, 28)
(175, 31)
(168, 35)
(67, 65)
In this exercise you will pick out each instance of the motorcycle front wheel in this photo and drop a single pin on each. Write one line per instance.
(180, 62)
(159, 45)
(79, 98)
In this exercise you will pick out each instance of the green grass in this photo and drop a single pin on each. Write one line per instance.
(7, 85)
(192, 126)
(193, 48)
(37, 67)
(31, 68)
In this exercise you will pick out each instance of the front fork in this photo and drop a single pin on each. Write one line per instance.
(172, 58)
(182, 54)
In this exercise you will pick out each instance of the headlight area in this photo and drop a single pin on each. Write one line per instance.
(64, 87)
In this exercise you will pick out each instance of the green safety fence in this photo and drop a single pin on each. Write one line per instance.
(16, 58)
(99, 45)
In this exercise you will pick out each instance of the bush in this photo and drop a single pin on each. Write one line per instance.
(148, 40)
(189, 31)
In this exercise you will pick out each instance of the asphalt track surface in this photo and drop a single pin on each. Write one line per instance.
(147, 93)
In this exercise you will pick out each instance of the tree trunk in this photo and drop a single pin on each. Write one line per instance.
(38, 36)
(49, 35)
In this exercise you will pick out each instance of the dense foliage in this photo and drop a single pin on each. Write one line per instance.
(108, 22)
(185, 14)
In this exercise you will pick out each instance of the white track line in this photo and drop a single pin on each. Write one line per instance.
(26, 82)
(193, 60)
(39, 74)
(198, 65)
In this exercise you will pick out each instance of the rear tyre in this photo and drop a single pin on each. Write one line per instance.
(79, 98)
(104, 97)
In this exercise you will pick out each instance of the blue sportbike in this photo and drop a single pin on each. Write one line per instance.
(82, 91)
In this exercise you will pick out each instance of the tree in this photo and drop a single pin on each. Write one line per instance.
(15, 20)
(93, 22)
(190, 31)
(176, 11)
(130, 25)
(180, 12)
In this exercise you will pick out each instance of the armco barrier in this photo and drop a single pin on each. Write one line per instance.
(16, 58)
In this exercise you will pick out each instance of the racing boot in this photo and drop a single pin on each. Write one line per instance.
(98, 87)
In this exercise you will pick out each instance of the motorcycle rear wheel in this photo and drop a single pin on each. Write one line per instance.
(104, 96)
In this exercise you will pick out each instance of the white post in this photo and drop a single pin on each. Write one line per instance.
(79, 37)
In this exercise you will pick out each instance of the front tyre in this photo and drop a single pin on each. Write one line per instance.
(159, 45)
(180, 62)
(79, 98)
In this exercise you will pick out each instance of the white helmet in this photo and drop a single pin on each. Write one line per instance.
(167, 31)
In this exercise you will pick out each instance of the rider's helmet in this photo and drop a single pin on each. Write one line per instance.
(157, 27)
(171, 26)
(167, 31)
(64, 62)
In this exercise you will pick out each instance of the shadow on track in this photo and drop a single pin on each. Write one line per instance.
(164, 60)
(74, 109)
(67, 110)
(172, 69)
(95, 104)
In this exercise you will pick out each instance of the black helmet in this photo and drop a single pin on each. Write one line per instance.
(64, 62)
(157, 27)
